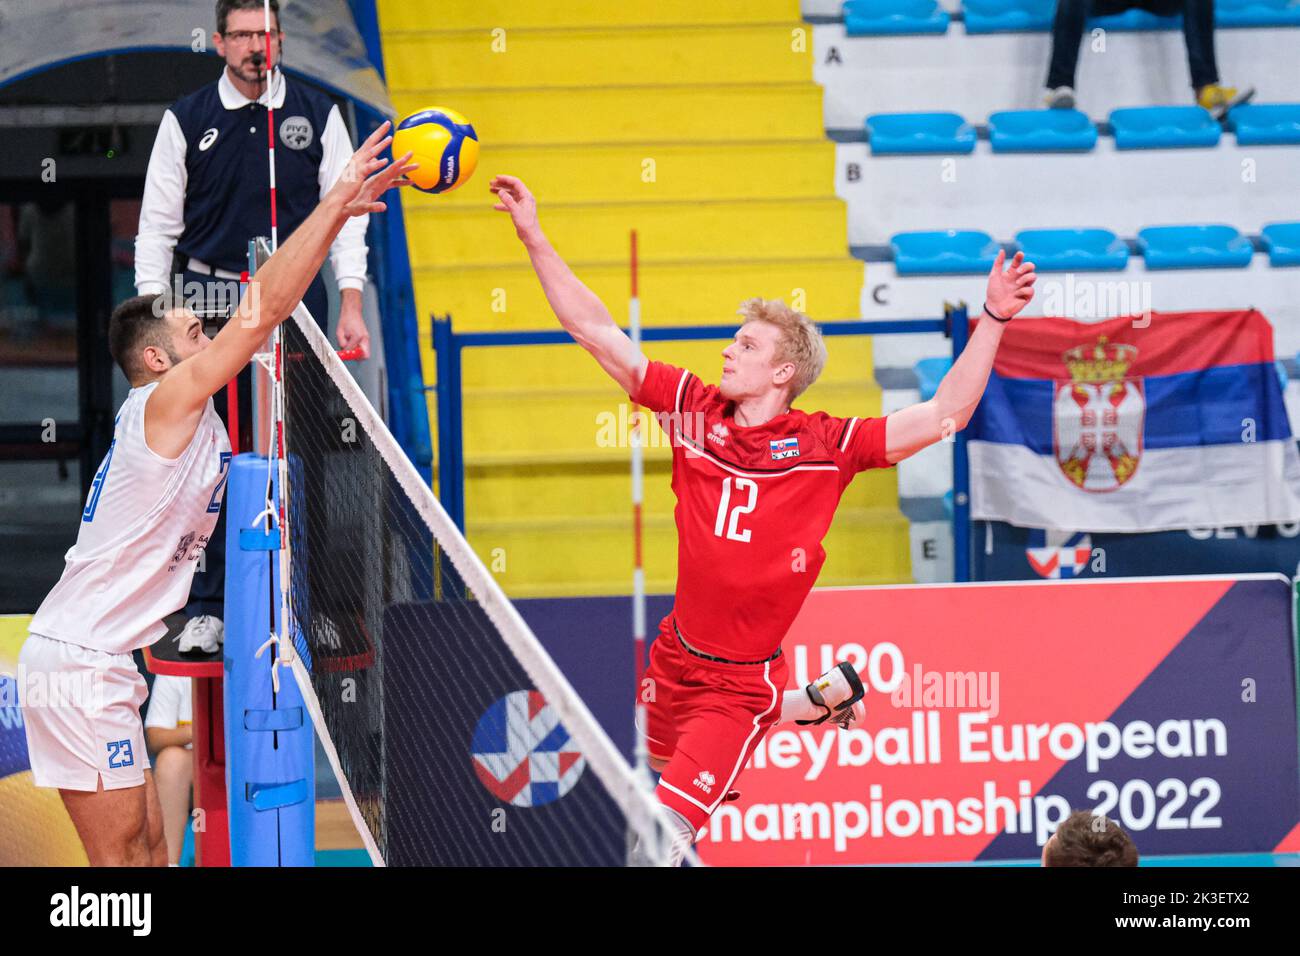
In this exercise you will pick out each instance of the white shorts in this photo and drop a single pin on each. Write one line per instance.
(81, 709)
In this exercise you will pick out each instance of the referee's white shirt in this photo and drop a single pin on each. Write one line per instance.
(162, 218)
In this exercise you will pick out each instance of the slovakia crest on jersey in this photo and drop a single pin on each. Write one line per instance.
(785, 447)
(522, 754)
(1098, 415)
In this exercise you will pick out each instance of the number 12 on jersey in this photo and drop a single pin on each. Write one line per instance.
(724, 507)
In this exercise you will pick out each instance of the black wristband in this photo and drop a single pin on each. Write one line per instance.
(990, 314)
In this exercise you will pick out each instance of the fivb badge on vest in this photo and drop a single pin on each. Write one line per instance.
(296, 132)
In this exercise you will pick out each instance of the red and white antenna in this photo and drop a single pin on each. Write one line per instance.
(636, 435)
(277, 504)
(270, 117)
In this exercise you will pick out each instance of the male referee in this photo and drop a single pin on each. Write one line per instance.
(207, 193)
(151, 509)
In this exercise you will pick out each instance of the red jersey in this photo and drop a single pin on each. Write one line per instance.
(753, 505)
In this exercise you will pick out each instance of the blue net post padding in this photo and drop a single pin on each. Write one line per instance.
(270, 776)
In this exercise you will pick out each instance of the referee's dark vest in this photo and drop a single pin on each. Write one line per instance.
(227, 195)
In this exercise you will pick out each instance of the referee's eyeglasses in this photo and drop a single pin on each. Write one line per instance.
(246, 36)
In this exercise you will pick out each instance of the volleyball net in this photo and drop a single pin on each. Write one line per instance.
(454, 737)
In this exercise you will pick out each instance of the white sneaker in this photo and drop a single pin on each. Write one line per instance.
(202, 635)
(1061, 98)
(839, 694)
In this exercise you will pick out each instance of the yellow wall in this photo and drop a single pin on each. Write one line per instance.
(698, 125)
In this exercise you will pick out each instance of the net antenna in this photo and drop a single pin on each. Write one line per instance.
(274, 517)
(272, 72)
(639, 435)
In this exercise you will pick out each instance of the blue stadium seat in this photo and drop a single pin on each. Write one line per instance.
(1271, 124)
(891, 133)
(930, 372)
(1194, 247)
(1063, 250)
(1135, 19)
(948, 251)
(1257, 13)
(1034, 131)
(1164, 127)
(875, 17)
(1008, 16)
(1282, 240)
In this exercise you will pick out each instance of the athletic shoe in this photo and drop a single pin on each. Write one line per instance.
(1061, 98)
(202, 635)
(1219, 99)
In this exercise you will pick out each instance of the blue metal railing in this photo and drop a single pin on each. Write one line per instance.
(449, 345)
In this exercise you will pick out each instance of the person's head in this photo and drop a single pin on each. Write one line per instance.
(241, 33)
(1085, 839)
(147, 337)
(776, 348)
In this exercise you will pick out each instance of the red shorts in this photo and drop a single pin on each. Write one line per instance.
(705, 718)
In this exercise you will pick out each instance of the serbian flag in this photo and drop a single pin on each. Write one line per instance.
(1133, 424)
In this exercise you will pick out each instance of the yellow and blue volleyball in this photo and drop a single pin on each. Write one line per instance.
(443, 143)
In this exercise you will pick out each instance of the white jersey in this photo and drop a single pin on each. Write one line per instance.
(146, 522)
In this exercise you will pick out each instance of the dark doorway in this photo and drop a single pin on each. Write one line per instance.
(66, 253)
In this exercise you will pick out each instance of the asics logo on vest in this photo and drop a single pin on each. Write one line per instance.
(208, 139)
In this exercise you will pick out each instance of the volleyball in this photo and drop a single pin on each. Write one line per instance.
(445, 145)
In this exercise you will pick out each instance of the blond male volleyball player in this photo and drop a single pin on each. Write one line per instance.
(150, 511)
(755, 480)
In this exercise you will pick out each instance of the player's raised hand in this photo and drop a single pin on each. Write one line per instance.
(1010, 288)
(368, 175)
(513, 197)
(389, 175)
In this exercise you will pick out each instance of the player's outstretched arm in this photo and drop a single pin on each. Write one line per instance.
(173, 411)
(579, 310)
(918, 426)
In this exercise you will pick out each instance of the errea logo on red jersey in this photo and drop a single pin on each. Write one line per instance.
(705, 781)
(718, 434)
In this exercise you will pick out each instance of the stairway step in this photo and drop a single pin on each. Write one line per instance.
(631, 114)
(701, 292)
(528, 59)
(396, 16)
(598, 233)
(504, 424)
(649, 172)
(532, 491)
(552, 558)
